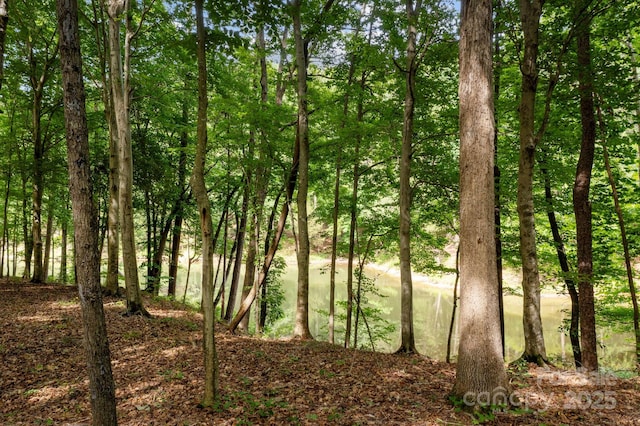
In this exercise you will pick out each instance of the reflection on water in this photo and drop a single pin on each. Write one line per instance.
(432, 314)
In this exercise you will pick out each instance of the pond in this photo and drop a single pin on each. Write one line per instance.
(432, 314)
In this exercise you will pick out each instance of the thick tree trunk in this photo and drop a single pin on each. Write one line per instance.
(206, 225)
(301, 327)
(101, 386)
(581, 203)
(480, 373)
(534, 347)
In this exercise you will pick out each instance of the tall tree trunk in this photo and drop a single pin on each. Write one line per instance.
(113, 214)
(38, 77)
(206, 225)
(534, 347)
(581, 203)
(480, 370)
(38, 181)
(407, 343)
(261, 178)
(119, 78)
(85, 219)
(574, 327)
(353, 225)
(301, 327)
(112, 228)
(496, 179)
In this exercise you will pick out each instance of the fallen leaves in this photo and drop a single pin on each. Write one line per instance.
(157, 365)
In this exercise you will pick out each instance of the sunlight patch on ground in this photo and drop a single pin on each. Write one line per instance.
(174, 352)
(47, 394)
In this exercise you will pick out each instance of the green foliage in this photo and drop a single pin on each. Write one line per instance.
(275, 297)
(253, 408)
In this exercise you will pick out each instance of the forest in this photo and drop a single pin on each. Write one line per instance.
(165, 164)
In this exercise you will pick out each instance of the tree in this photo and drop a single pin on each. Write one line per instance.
(120, 91)
(407, 343)
(301, 328)
(480, 374)
(42, 52)
(85, 219)
(534, 347)
(206, 224)
(581, 203)
(113, 231)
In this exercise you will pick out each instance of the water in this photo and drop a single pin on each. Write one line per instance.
(432, 314)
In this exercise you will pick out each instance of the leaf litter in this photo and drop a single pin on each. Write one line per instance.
(157, 367)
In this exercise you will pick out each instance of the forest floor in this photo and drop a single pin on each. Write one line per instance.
(158, 371)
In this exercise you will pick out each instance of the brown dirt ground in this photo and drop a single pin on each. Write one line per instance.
(157, 366)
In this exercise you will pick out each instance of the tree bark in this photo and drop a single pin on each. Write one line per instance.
(480, 373)
(301, 327)
(119, 78)
(206, 224)
(496, 179)
(407, 344)
(581, 203)
(534, 347)
(101, 385)
(39, 75)
(261, 183)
